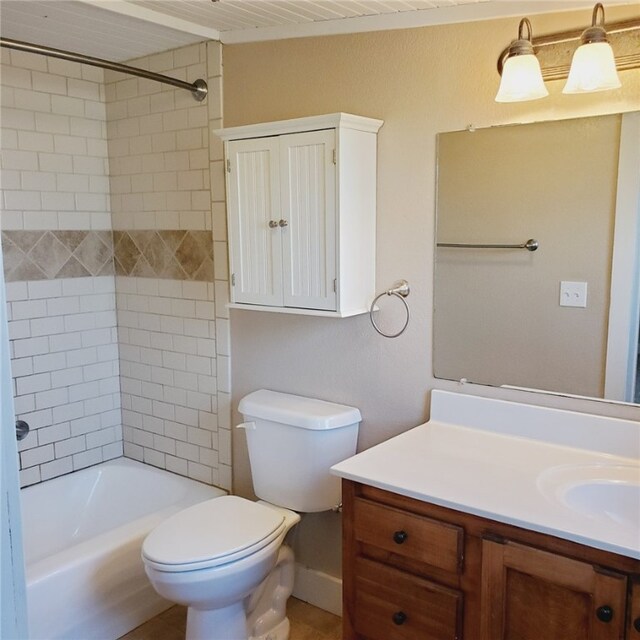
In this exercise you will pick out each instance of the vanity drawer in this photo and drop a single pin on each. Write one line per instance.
(406, 534)
(393, 605)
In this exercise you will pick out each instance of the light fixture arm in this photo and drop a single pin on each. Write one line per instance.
(596, 32)
(525, 22)
(599, 8)
(520, 47)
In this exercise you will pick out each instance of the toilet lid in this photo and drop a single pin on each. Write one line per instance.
(211, 533)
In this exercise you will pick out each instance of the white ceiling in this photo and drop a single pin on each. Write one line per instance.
(125, 29)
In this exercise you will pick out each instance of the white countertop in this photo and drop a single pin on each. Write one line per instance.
(497, 469)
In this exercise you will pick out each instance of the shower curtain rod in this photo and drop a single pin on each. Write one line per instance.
(198, 88)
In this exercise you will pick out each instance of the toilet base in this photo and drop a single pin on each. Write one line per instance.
(260, 616)
(229, 623)
(267, 606)
(279, 632)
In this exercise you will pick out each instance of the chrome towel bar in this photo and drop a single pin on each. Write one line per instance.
(529, 245)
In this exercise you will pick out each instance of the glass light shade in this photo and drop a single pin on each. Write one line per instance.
(521, 80)
(593, 68)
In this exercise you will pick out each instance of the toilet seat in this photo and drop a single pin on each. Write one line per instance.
(212, 533)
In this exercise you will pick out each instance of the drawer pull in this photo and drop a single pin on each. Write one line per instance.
(399, 617)
(400, 536)
(604, 613)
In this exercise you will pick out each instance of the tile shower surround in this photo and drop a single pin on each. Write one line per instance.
(42, 255)
(174, 254)
(61, 190)
(65, 367)
(45, 255)
(168, 375)
(168, 218)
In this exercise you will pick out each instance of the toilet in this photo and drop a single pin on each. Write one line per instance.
(225, 558)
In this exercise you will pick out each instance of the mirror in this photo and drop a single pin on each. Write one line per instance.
(563, 318)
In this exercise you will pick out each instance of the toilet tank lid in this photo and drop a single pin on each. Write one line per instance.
(297, 411)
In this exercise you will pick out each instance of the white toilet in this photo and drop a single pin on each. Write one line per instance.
(225, 558)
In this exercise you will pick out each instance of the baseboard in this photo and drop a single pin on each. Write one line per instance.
(319, 589)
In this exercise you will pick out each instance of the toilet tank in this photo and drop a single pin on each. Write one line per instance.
(293, 441)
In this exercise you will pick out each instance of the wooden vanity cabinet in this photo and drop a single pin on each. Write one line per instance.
(417, 571)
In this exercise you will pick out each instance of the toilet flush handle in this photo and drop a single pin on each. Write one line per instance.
(247, 425)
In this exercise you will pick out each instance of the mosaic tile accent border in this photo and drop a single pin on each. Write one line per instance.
(47, 255)
(180, 255)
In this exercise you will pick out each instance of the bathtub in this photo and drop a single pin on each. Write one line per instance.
(82, 538)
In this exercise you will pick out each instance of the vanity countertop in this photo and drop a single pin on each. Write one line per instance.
(571, 475)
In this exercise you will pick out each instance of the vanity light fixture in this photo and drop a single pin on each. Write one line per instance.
(589, 66)
(521, 73)
(593, 67)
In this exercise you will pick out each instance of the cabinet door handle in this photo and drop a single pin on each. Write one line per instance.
(273, 224)
(399, 617)
(636, 624)
(604, 613)
(283, 223)
(400, 536)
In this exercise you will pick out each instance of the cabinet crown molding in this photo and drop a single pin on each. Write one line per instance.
(298, 125)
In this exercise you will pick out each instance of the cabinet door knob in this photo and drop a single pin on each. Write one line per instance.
(399, 617)
(400, 536)
(636, 624)
(273, 224)
(283, 223)
(604, 613)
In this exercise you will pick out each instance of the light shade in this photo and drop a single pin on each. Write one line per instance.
(520, 70)
(521, 80)
(593, 68)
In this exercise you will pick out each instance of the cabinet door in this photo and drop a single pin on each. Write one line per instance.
(633, 615)
(308, 191)
(254, 210)
(528, 594)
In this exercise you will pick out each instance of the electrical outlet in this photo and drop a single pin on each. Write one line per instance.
(573, 294)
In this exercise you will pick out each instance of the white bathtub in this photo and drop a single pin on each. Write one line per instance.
(82, 538)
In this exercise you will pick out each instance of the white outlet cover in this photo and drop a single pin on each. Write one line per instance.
(573, 294)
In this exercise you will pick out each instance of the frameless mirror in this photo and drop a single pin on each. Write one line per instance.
(563, 317)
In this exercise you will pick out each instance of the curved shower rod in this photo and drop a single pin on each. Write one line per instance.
(198, 88)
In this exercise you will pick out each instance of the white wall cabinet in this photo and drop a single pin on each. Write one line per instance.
(301, 208)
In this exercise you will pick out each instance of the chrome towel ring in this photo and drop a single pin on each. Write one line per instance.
(400, 290)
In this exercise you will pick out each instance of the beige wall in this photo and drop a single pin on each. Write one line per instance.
(420, 82)
(497, 314)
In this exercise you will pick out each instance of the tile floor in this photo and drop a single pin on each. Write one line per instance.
(307, 623)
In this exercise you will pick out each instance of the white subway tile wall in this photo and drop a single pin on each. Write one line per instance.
(54, 145)
(167, 174)
(159, 145)
(54, 176)
(65, 366)
(168, 376)
(154, 170)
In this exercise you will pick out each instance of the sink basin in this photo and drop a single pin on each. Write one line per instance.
(618, 501)
(597, 491)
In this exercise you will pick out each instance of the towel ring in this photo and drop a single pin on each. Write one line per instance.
(401, 291)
